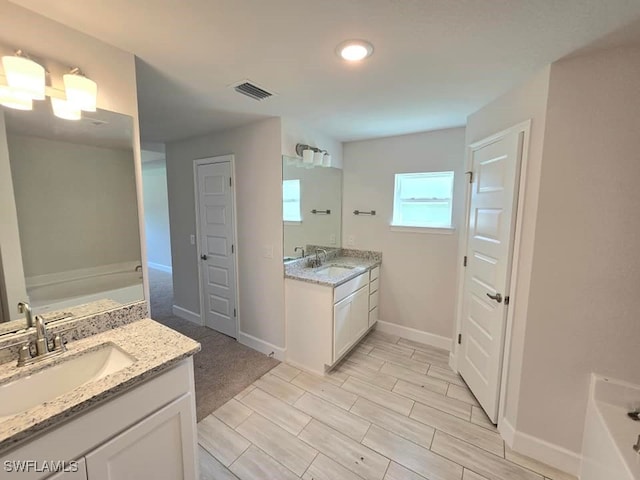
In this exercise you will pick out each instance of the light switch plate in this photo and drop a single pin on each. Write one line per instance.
(268, 251)
(192, 239)
(351, 240)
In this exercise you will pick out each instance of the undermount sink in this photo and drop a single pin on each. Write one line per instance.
(49, 383)
(334, 270)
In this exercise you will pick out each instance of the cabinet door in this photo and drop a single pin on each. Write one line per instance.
(79, 474)
(359, 313)
(342, 331)
(160, 447)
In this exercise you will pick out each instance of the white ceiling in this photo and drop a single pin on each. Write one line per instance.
(435, 61)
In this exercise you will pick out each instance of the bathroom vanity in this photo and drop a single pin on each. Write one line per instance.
(118, 401)
(329, 308)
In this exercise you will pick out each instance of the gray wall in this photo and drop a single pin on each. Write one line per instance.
(584, 302)
(418, 269)
(156, 213)
(258, 184)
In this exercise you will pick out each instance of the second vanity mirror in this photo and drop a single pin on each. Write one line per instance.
(312, 206)
(70, 240)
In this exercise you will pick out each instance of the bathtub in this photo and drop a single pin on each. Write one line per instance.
(609, 434)
(67, 291)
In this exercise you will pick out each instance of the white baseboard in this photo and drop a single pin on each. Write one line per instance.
(453, 362)
(159, 266)
(541, 450)
(187, 315)
(507, 432)
(415, 335)
(261, 346)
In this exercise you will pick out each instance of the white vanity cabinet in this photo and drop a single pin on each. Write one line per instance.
(324, 323)
(148, 431)
(350, 321)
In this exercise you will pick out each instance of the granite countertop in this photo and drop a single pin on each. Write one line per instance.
(298, 271)
(154, 346)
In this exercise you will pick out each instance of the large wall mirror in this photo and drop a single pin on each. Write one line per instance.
(70, 240)
(311, 206)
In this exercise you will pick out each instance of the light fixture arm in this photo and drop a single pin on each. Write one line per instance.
(301, 147)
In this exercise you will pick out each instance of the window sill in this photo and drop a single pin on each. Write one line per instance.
(431, 230)
(292, 222)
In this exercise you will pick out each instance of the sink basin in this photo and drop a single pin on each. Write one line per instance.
(49, 383)
(334, 270)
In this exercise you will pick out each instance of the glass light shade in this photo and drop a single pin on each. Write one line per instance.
(15, 99)
(326, 160)
(317, 158)
(307, 156)
(63, 109)
(81, 92)
(25, 75)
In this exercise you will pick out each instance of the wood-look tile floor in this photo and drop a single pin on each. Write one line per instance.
(392, 410)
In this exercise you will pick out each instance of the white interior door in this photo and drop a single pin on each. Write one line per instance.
(492, 211)
(217, 246)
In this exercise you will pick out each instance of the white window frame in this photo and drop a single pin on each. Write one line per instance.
(398, 225)
(292, 221)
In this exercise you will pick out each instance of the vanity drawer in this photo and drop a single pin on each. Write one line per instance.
(373, 301)
(373, 316)
(373, 286)
(375, 273)
(346, 289)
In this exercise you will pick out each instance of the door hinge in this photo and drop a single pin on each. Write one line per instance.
(470, 173)
(233, 248)
(506, 300)
(459, 339)
(464, 261)
(230, 183)
(234, 312)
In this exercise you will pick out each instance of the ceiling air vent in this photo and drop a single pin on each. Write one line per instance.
(251, 90)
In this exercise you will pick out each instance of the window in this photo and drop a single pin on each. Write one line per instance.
(423, 200)
(291, 201)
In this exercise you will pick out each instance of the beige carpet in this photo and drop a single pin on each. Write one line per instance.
(224, 367)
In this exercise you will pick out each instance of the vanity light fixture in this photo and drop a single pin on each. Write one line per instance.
(15, 99)
(313, 156)
(307, 156)
(26, 81)
(24, 75)
(354, 50)
(65, 110)
(81, 92)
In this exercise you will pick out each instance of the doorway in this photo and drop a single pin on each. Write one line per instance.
(494, 172)
(216, 233)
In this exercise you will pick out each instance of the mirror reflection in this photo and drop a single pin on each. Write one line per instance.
(70, 242)
(311, 206)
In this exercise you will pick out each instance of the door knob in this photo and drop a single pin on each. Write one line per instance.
(204, 256)
(497, 297)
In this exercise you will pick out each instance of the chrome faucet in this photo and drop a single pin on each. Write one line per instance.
(24, 307)
(138, 268)
(301, 249)
(318, 259)
(41, 348)
(41, 337)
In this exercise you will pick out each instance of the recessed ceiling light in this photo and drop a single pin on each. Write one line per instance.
(354, 50)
